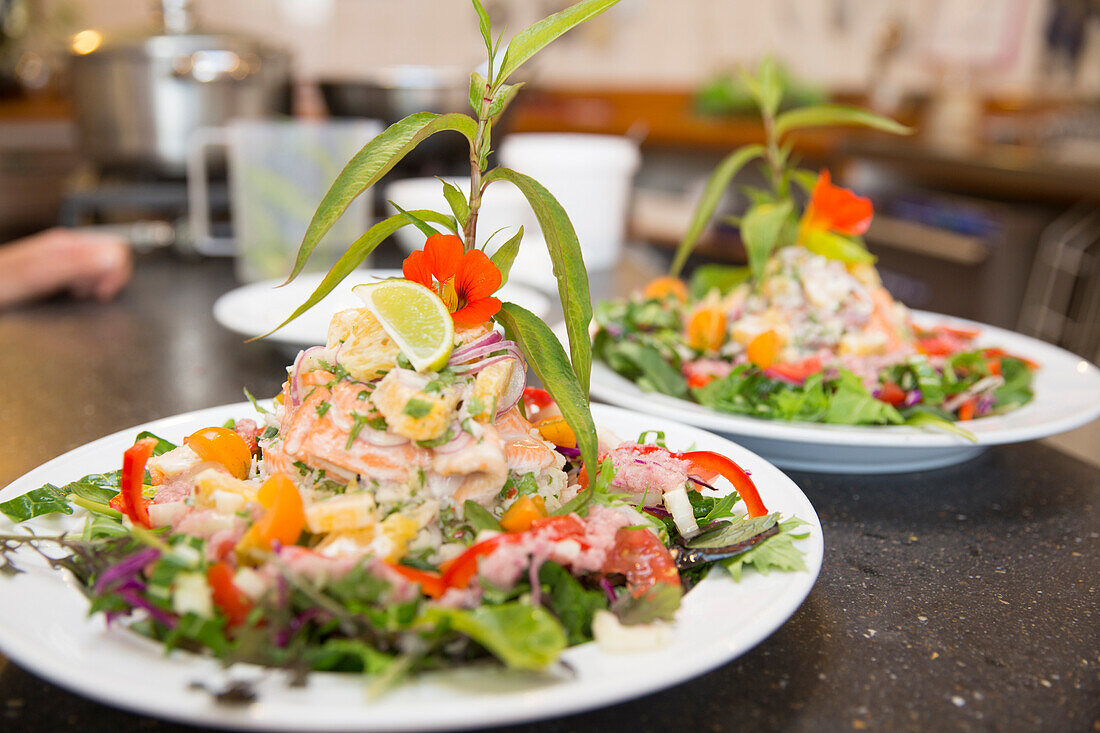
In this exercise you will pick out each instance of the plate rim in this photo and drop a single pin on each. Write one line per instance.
(226, 305)
(607, 385)
(763, 623)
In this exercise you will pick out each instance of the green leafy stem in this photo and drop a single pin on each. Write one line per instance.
(772, 219)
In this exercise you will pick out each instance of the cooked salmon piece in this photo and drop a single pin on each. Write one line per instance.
(321, 437)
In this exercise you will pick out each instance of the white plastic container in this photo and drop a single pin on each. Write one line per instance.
(590, 175)
(503, 209)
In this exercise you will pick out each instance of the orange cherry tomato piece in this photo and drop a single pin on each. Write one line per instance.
(557, 431)
(522, 514)
(764, 349)
(665, 286)
(285, 517)
(222, 445)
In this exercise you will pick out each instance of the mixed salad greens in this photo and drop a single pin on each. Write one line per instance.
(940, 381)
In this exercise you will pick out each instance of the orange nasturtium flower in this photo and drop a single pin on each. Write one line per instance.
(836, 209)
(464, 281)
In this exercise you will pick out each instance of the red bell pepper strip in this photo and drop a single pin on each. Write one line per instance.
(458, 572)
(226, 595)
(431, 584)
(133, 480)
(711, 463)
(718, 463)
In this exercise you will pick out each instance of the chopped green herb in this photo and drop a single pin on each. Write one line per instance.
(417, 408)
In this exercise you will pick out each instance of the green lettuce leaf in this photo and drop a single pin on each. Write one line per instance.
(778, 552)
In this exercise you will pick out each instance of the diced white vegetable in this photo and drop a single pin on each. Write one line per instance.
(187, 555)
(163, 515)
(174, 461)
(192, 595)
(679, 505)
(251, 583)
(613, 637)
(226, 502)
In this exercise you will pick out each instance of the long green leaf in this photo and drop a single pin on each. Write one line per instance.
(416, 221)
(369, 165)
(547, 358)
(506, 255)
(359, 250)
(483, 25)
(535, 37)
(565, 254)
(712, 194)
(760, 227)
(457, 201)
(824, 115)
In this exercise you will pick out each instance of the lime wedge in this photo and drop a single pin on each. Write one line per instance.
(414, 317)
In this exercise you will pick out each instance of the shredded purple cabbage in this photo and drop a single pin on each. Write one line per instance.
(608, 589)
(125, 569)
(912, 397)
(701, 482)
(570, 453)
(657, 511)
(135, 599)
(283, 637)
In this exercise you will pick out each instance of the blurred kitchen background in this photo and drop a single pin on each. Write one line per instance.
(992, 211)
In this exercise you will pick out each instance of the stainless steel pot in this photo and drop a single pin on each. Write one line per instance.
(139, 98)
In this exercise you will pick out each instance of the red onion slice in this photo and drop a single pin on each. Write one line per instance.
(493, 337)
(296, 373)
(460, 441)
(514, 392)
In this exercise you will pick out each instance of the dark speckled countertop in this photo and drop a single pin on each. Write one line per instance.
(958, 599)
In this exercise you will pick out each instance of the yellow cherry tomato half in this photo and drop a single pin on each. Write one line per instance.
(222, 445)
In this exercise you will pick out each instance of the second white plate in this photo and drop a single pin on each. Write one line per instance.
(253, 310)
(1067, 395)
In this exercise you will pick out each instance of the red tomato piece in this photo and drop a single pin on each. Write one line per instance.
(891, 394)
(795, 371)
(643, 559)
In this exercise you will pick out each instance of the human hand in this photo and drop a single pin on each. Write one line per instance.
(87, 265)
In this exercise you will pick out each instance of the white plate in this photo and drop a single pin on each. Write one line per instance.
(44, 627)
(1067, 395)
(252, 310)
